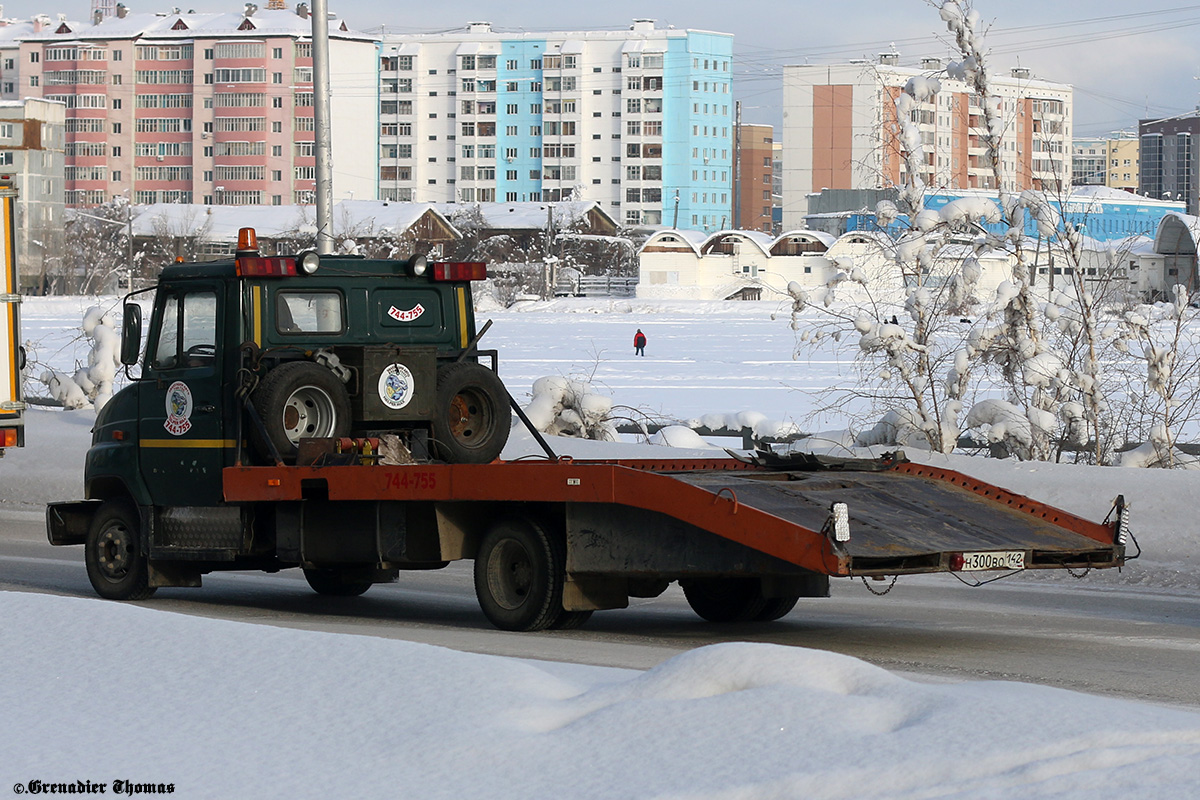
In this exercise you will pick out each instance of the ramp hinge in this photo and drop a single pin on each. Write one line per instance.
(10, 298)
(12, 405)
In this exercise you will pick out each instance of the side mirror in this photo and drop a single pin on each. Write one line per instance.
(131, 334)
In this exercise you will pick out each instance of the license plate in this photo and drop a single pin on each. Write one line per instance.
(1008, 559)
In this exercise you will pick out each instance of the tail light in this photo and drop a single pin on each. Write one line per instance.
(459, 271)
(258, 267)
(8, 437)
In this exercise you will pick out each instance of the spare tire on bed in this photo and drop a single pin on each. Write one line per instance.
(297, 400)
(471, 417)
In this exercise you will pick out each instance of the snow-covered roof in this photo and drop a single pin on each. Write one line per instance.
(821, 236)
(174, 27)
(693, 239)
(222, 223)
(699, 241)
(875, 237)
(1174, 229)
(762, 241)
(1111, 195)
(527, 216)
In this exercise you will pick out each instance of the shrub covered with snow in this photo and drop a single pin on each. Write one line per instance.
(93, 383)
(568, 407)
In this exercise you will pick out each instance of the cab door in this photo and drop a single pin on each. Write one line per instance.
(183, 444)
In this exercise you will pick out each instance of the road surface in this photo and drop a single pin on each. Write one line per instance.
(1124, 643)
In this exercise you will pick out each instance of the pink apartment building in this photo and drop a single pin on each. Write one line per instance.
(196, 108)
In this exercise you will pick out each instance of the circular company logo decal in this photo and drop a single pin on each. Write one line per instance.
(396, 386)
(179, 409)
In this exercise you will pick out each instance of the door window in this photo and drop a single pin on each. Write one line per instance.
(188, 335)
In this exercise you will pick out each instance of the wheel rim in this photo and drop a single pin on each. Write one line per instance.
(470, 417)
(114, 552)
(509, 574)
(308, 413)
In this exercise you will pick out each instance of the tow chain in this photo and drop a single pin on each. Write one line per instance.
(885, 591)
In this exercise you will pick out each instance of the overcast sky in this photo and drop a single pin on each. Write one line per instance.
(1125, 60)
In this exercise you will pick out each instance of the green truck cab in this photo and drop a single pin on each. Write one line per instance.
(244, 360)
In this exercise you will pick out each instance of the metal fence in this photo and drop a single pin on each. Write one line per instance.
(597, 286)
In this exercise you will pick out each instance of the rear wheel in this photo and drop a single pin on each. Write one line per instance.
(519, 576)
(776, 608)
(725, 599)
(115, 564)
(299, 400)
(472, 417)
(570, 620)
(335, 583)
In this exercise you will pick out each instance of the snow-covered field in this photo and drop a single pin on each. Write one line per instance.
(99, 691)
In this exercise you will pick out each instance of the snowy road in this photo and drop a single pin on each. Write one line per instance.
(1131, 644)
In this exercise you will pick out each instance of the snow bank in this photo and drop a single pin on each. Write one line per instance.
(224, 709)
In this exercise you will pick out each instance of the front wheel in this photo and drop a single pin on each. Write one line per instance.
(112, 551)
(519, 576)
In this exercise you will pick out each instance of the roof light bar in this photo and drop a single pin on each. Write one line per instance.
(459, 271)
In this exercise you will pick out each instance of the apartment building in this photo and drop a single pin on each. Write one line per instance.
(639, 120)
(755, 172)
(840, 130)
(31, 159)
(205, 108)
(1106, 161)
(1168, 166)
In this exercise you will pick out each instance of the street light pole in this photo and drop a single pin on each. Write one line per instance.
(322, 117)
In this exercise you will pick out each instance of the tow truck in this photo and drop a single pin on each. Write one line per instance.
(252, 439)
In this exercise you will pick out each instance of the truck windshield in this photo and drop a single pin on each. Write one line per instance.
(188, 334)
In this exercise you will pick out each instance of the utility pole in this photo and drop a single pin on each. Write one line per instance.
(129, 245)
(737, 165)
(322, 117)
(675, 224)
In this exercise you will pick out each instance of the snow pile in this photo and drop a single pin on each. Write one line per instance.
(567, 407)
(758, 424)
(290, 713)
(679, 436)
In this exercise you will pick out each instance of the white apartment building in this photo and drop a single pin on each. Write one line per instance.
(639, 120)
(840, 131)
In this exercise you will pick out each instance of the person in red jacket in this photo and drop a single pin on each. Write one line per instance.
(639, 343)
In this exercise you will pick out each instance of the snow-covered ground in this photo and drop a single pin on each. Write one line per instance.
(99, 691)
